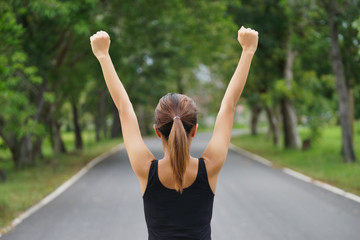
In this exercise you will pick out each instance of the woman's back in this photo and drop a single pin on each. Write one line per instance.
(171, 215)
(166, 174)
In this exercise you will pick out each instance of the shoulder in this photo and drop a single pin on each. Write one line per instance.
(212, 166)
(142, 170)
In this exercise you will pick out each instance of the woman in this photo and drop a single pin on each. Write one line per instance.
(178, 190)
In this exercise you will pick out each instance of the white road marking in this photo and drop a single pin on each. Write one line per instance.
(297, 175)
(60, 189)
(251, 155)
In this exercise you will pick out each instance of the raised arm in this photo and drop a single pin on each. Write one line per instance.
(139, 155)
(216, 151)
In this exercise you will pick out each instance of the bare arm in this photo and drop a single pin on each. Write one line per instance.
(216, 151)
(139, 155)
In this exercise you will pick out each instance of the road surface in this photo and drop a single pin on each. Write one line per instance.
(252, 201)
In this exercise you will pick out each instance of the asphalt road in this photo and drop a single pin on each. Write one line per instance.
(252, 201)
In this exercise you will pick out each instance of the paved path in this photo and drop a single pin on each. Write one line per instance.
(252, 202)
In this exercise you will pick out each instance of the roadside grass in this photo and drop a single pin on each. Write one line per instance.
(28, 186)
(323, 161)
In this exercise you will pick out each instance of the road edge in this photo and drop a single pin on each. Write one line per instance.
(59, 190)
(296, 174)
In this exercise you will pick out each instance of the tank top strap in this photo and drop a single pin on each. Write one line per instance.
(203, 177)
(152, 178)
(202, 171)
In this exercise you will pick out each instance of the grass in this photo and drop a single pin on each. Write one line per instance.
(26, 187)
(323, 161)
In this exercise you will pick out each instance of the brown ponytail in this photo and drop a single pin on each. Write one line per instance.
(175, 117)
(179, 152)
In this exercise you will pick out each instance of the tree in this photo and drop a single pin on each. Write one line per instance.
(331, 8)
(157, 47)
(41, 35)
(273, 64)
(20, 85)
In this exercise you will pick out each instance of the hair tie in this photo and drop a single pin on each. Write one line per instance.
(176, 118)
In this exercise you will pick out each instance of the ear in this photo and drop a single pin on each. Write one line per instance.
(157, 131)
(193, 130)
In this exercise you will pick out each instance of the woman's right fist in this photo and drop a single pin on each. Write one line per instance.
(248, 39)
(100, 43)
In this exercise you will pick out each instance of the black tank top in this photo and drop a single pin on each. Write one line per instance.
(170, 215)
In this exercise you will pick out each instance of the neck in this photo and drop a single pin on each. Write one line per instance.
(167, 151)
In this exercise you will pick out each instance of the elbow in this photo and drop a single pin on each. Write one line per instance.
(124, 106)
(125, 110)
(228, 105)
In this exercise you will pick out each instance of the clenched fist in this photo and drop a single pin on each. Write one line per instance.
(248, 39)
(100, 43)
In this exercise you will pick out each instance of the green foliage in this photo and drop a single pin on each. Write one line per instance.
(19, 79)
(46, 60)
(264, 84)
(166, 46)
(37, 36)
(284, 91)
(159, 45)
(315, 103)
(49, 97)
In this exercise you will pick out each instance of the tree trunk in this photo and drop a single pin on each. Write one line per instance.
(20, 149)
(2, 176)
(62, 144)
(352, 107)
(20, 153)
(149, 121)
(37, 149)
(97, 128)
(116, 127)
(56, 139)
(273, 124)
(145, 120)
(27, 145)
(141, 116)
(180, 84)
(78, 138)
(59, 146)
(343, 99)
(10, 141)
(255, 113)
(291, 135)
